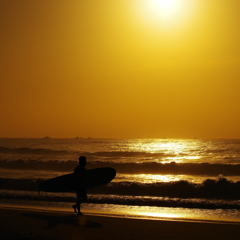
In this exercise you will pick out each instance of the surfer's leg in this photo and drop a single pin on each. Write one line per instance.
(74, 207)
(79, 201)
(79, 211)
(78, 205)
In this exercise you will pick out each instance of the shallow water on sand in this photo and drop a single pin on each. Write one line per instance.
(137, 212)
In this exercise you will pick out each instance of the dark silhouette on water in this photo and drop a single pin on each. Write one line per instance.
(79, 175)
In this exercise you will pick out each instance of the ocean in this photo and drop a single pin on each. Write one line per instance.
(193, 179)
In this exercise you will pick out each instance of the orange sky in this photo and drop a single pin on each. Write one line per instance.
(119, 69)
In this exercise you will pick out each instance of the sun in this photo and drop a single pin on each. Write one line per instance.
(165, 14)
(165, 4)
(165, 9)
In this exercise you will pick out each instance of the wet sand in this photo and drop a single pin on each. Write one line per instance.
(33, 224)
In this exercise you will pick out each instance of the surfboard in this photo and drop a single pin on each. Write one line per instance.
(65, 183)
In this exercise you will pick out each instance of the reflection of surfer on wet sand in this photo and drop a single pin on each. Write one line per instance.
(79, 178)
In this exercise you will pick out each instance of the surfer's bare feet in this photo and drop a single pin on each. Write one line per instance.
(80, 213)
(75, 208)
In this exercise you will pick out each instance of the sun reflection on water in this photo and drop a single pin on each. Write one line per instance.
(168, 150)
(154, 145)
(179, 159)
(155, 178)
(145, 178)
(148, 213)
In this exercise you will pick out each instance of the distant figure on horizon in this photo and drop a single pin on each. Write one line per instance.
(79, 175)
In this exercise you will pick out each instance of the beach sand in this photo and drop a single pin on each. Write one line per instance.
(33, 224)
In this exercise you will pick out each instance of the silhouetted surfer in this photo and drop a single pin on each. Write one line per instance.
(79, 175)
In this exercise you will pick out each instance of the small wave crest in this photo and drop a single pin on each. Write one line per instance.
(128, 167)
(65, 155)
(52, 165)
(118, 155)
(32, 151)
(179, 168)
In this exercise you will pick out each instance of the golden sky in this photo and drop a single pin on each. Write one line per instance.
(123, 68)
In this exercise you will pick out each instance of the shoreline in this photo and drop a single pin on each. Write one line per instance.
(221, 216)
(37, 224)
(99, 213)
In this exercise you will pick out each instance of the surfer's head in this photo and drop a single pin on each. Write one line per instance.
(82, 161)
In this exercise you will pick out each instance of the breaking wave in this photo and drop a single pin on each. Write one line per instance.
(220, 188)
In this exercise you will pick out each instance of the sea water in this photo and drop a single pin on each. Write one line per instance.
(156, 178)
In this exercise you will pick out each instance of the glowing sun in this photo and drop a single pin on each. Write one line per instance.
(165, 8)
(165, 14)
